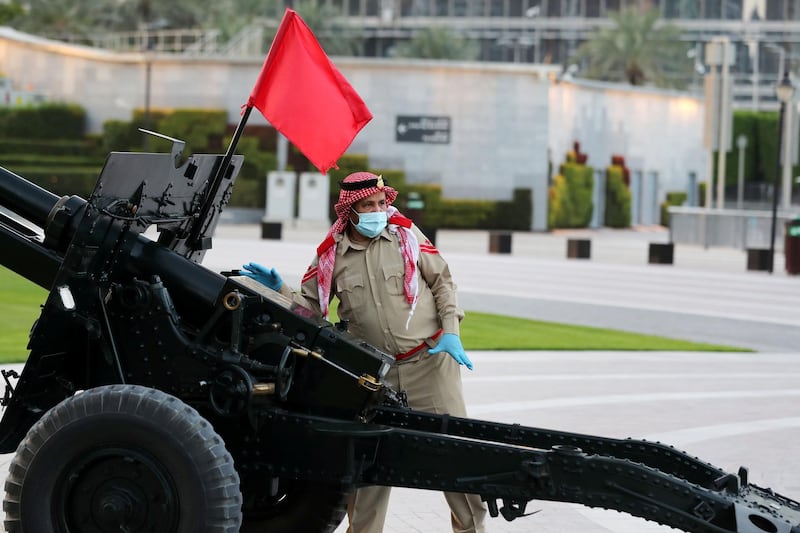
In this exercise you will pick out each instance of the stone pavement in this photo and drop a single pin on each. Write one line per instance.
(727, 409)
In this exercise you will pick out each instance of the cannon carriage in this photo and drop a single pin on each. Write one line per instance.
(161, 396)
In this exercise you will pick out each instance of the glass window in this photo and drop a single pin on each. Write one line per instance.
(414, 8)
(479, 8)
(732, 10)
(712, 9)
(593, 8)
(776, 10)
(373, 9)
(794, 10)
(572, 8)
(440, 8)
(690, 9)
(516, 8)
(554, 8)
(672, 9)
(497, 8)
(353, 7)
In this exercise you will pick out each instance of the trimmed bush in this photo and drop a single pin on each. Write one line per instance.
(46, 121)
(78, 181)
(249, 193)
(199, 128)
(675, 198)
(570, 197)
(618, 198)
(22, 160)
(119, 135)
(48, 147)
(760, 155)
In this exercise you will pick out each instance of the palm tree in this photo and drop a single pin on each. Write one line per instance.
(638, 50)
(81, 18)
(325, 22)
(438, 43)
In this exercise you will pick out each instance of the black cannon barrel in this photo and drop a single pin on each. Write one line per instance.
(26, 199)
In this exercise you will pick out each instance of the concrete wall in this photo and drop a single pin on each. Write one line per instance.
(111, 85)
(497, 113)
(505, 120)
(660, 133)
(498, 126)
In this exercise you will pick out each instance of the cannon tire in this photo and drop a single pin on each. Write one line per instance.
(298, 507)
(122, 458)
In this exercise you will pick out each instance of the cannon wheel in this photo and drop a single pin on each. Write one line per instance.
(122, 458)
(297, 507)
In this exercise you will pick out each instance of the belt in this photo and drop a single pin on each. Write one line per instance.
(416, 349)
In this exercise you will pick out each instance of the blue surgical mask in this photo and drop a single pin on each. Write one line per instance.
(371, 224)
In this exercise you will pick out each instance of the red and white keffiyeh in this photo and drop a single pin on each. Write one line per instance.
(355, 187)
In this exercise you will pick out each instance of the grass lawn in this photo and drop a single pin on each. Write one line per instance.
(20, 302)
(20, 305)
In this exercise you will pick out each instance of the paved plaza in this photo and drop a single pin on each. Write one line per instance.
(729, 409)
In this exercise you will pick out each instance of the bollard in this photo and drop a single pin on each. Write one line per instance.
(758, 259)
(579, 248)
(430, 233)
(661, 253)
(271, 230)
(499, 242)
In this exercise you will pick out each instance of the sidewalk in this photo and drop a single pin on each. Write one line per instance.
(610, 246)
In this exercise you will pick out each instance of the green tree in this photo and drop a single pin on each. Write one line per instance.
(637, 49)
(82, 18)
(327, 24)
(9, 12)
(438, 43)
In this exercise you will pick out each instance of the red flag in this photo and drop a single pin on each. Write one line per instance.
(302, 94)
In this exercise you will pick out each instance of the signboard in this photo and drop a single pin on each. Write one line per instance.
(422, 129)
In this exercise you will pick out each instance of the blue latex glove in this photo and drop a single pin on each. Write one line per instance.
(451, 344)
(265, 276)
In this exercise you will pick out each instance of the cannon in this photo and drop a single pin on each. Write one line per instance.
(159, 395)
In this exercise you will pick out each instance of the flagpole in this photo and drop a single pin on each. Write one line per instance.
(216, 182)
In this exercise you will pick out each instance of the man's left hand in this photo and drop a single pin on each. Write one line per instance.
(451, 344)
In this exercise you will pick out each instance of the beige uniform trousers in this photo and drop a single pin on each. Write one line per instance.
(433, 384)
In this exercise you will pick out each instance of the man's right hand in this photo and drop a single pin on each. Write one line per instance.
(265, 276)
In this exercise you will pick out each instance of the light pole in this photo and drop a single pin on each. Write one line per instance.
(784, 92)
(741, 143)
(533, 13)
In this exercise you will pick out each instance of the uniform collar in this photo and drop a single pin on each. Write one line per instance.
(344, 241)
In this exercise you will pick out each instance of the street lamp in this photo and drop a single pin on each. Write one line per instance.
(784, 91)
(533, 13)
(741, 143)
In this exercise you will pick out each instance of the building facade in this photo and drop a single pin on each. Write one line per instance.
(765, 33)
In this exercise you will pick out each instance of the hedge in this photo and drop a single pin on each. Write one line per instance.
(618, 198)
(45, 121)
(674, 198)
(570, 197)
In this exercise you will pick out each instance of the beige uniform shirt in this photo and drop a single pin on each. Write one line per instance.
(368, 280)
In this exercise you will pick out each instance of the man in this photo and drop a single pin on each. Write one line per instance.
(396, 291)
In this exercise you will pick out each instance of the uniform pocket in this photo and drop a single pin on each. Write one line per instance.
(394, 279)
(352, 293)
